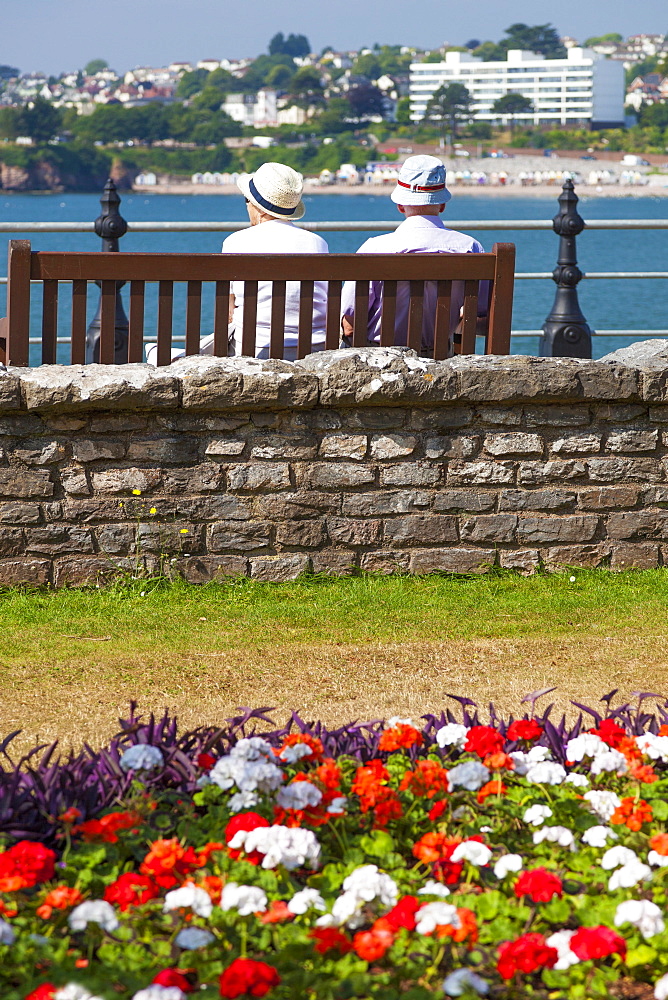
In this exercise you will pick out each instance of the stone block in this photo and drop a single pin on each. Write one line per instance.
(392, 445)
(571, 528)
(286, 448)
(451, 446)
(118, 423)
(275, 476)
(607, 497)
(10, 390)
(411, 474)
(58, 539)
(25, 483)
(557, 416)
(227, 423)
(640, 556)
(95, 510)
(462, 501)
(420, 529)
(99, 387)
(24, 424)
(11, 541)
(519, 378)
(244, 536)
(658, 415)
(203, 569)
(41, 452)
(500, 416)
(443, 418)
(577, 444)
(610, 470)
(32, 572)
(117, 539)
(545, 499)
(480, 473)
(300, 534)
(538, 473)
(488, 528)
(524, 561)
(452, 561)
(583, 556)
(124, 481)
(632, 440)
(655, 495)
(386, 563)
(75, 481)
(335, 475)
(94, 449)
(619, 412)
(380, 503)
(175, 538)
(334, 562)
(375, 418)
(166, 450)
(638, 524)
(516, 443)
(86, 571)
(204, 478)
(279, 569)
(19, 513)
(245, 384)
(352, 446)
(207, 508)
(348, 531)
(302, 504)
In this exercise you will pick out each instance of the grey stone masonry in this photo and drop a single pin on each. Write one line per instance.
(369, 460)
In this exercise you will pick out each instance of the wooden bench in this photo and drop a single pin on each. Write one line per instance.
(51, 269)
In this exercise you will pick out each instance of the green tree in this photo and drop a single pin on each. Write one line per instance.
(451, 105)
(9, 123)
(40, 120)
(209, 99)
(366, 101)
(280, 77)
(306, 87)
(7, 72)
(191, 83)
(295, 46)
(221, 80)
(490, 52)
(511, 105)
(403, 114)
(95, 66)
(612, 38)
(368, 65)
(335, 118)
(541, 38)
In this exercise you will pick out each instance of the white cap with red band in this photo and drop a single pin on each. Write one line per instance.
(421, 182)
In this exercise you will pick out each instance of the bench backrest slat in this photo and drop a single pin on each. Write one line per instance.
(49, 321)
(79, 300)
(220, 319)
(193, 316)
(136, 321)
(333, 329)
(442, 319)
(107, 322)
(388, 314)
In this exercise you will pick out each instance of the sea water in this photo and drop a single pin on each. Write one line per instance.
(622, 304)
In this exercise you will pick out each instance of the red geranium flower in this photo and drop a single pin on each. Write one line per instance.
(483, 740)
(493, 787)
(244, 821)
(131, 889)
(528, 953)
(59, 898)
(372, 945)
(428, 778)
(539, 885)
(277, 913)
(46, 991)
(400, 737)
(437, 810)
(246, 976)
(205, 761)
(597, 942)
(610, 732)
(24, 865)
(524, 729)
(330, 939)
(107, 827)
(174, 977)
(168, 858)
(403, 913)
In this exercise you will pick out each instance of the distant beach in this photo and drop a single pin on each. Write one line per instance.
(659, 190)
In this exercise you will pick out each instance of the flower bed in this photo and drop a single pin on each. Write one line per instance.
(507, 859)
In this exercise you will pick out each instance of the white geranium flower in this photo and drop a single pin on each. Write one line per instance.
(602, 802)
(535, 815)
(562, 942)
(432, 888)
(245, 899)
(617, 856)
(189, 895)
(366, 885)
(598, 836)
(7, 935)
(610, 760)
(338, 805)
(471, 775)
(396, 720)
(252, 748)
(280, 845)
(72, 991)
(295, 752)
(193, 938)
(461, 980)
(157, 992)
(628, 876)
(306, 899)
(93, 911)
(433, 915)
(298, 795)
(661, 988)
(546, 773)
(578, 780)
(473, 851)
(248, 770)
(142, 757)
(555, 835)
(653, 746)
(585, 745)
(508, 863)
(643, 914)
(452, 735)
(658, 860)
(524, 760)
(240, 800)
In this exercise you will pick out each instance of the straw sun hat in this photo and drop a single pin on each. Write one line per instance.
(274, 189)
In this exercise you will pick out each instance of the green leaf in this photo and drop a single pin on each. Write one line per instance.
(557, 911)
(642, 955)
(487, 905)
(377, 844)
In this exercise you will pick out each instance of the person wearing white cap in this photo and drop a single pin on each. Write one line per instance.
(421, 196)
(274, 201)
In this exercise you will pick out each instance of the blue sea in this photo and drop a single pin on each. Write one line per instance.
(607, 305)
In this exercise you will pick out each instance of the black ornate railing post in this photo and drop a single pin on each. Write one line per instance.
(110, 226)
(566, 333)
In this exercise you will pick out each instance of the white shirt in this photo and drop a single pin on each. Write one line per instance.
(285, 238)
(416, 234)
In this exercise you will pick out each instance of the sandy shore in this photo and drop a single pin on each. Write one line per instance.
(479, 190)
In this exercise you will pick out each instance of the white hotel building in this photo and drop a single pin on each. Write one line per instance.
(584, 89)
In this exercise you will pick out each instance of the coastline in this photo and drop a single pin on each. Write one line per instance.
(480, 190)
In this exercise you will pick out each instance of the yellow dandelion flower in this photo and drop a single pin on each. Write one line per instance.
(136, 493)
(183, 531)
(153, 510)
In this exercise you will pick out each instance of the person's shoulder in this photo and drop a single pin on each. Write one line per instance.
(462, 242)
(378, 244)
(235, 241)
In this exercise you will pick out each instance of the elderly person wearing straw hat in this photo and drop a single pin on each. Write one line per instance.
(421, 196)
(274, 201)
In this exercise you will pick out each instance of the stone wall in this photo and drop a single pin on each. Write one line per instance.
(371, 460)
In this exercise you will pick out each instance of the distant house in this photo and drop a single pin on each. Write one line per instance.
(254, 110)
(209, 64)
(645, 90)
